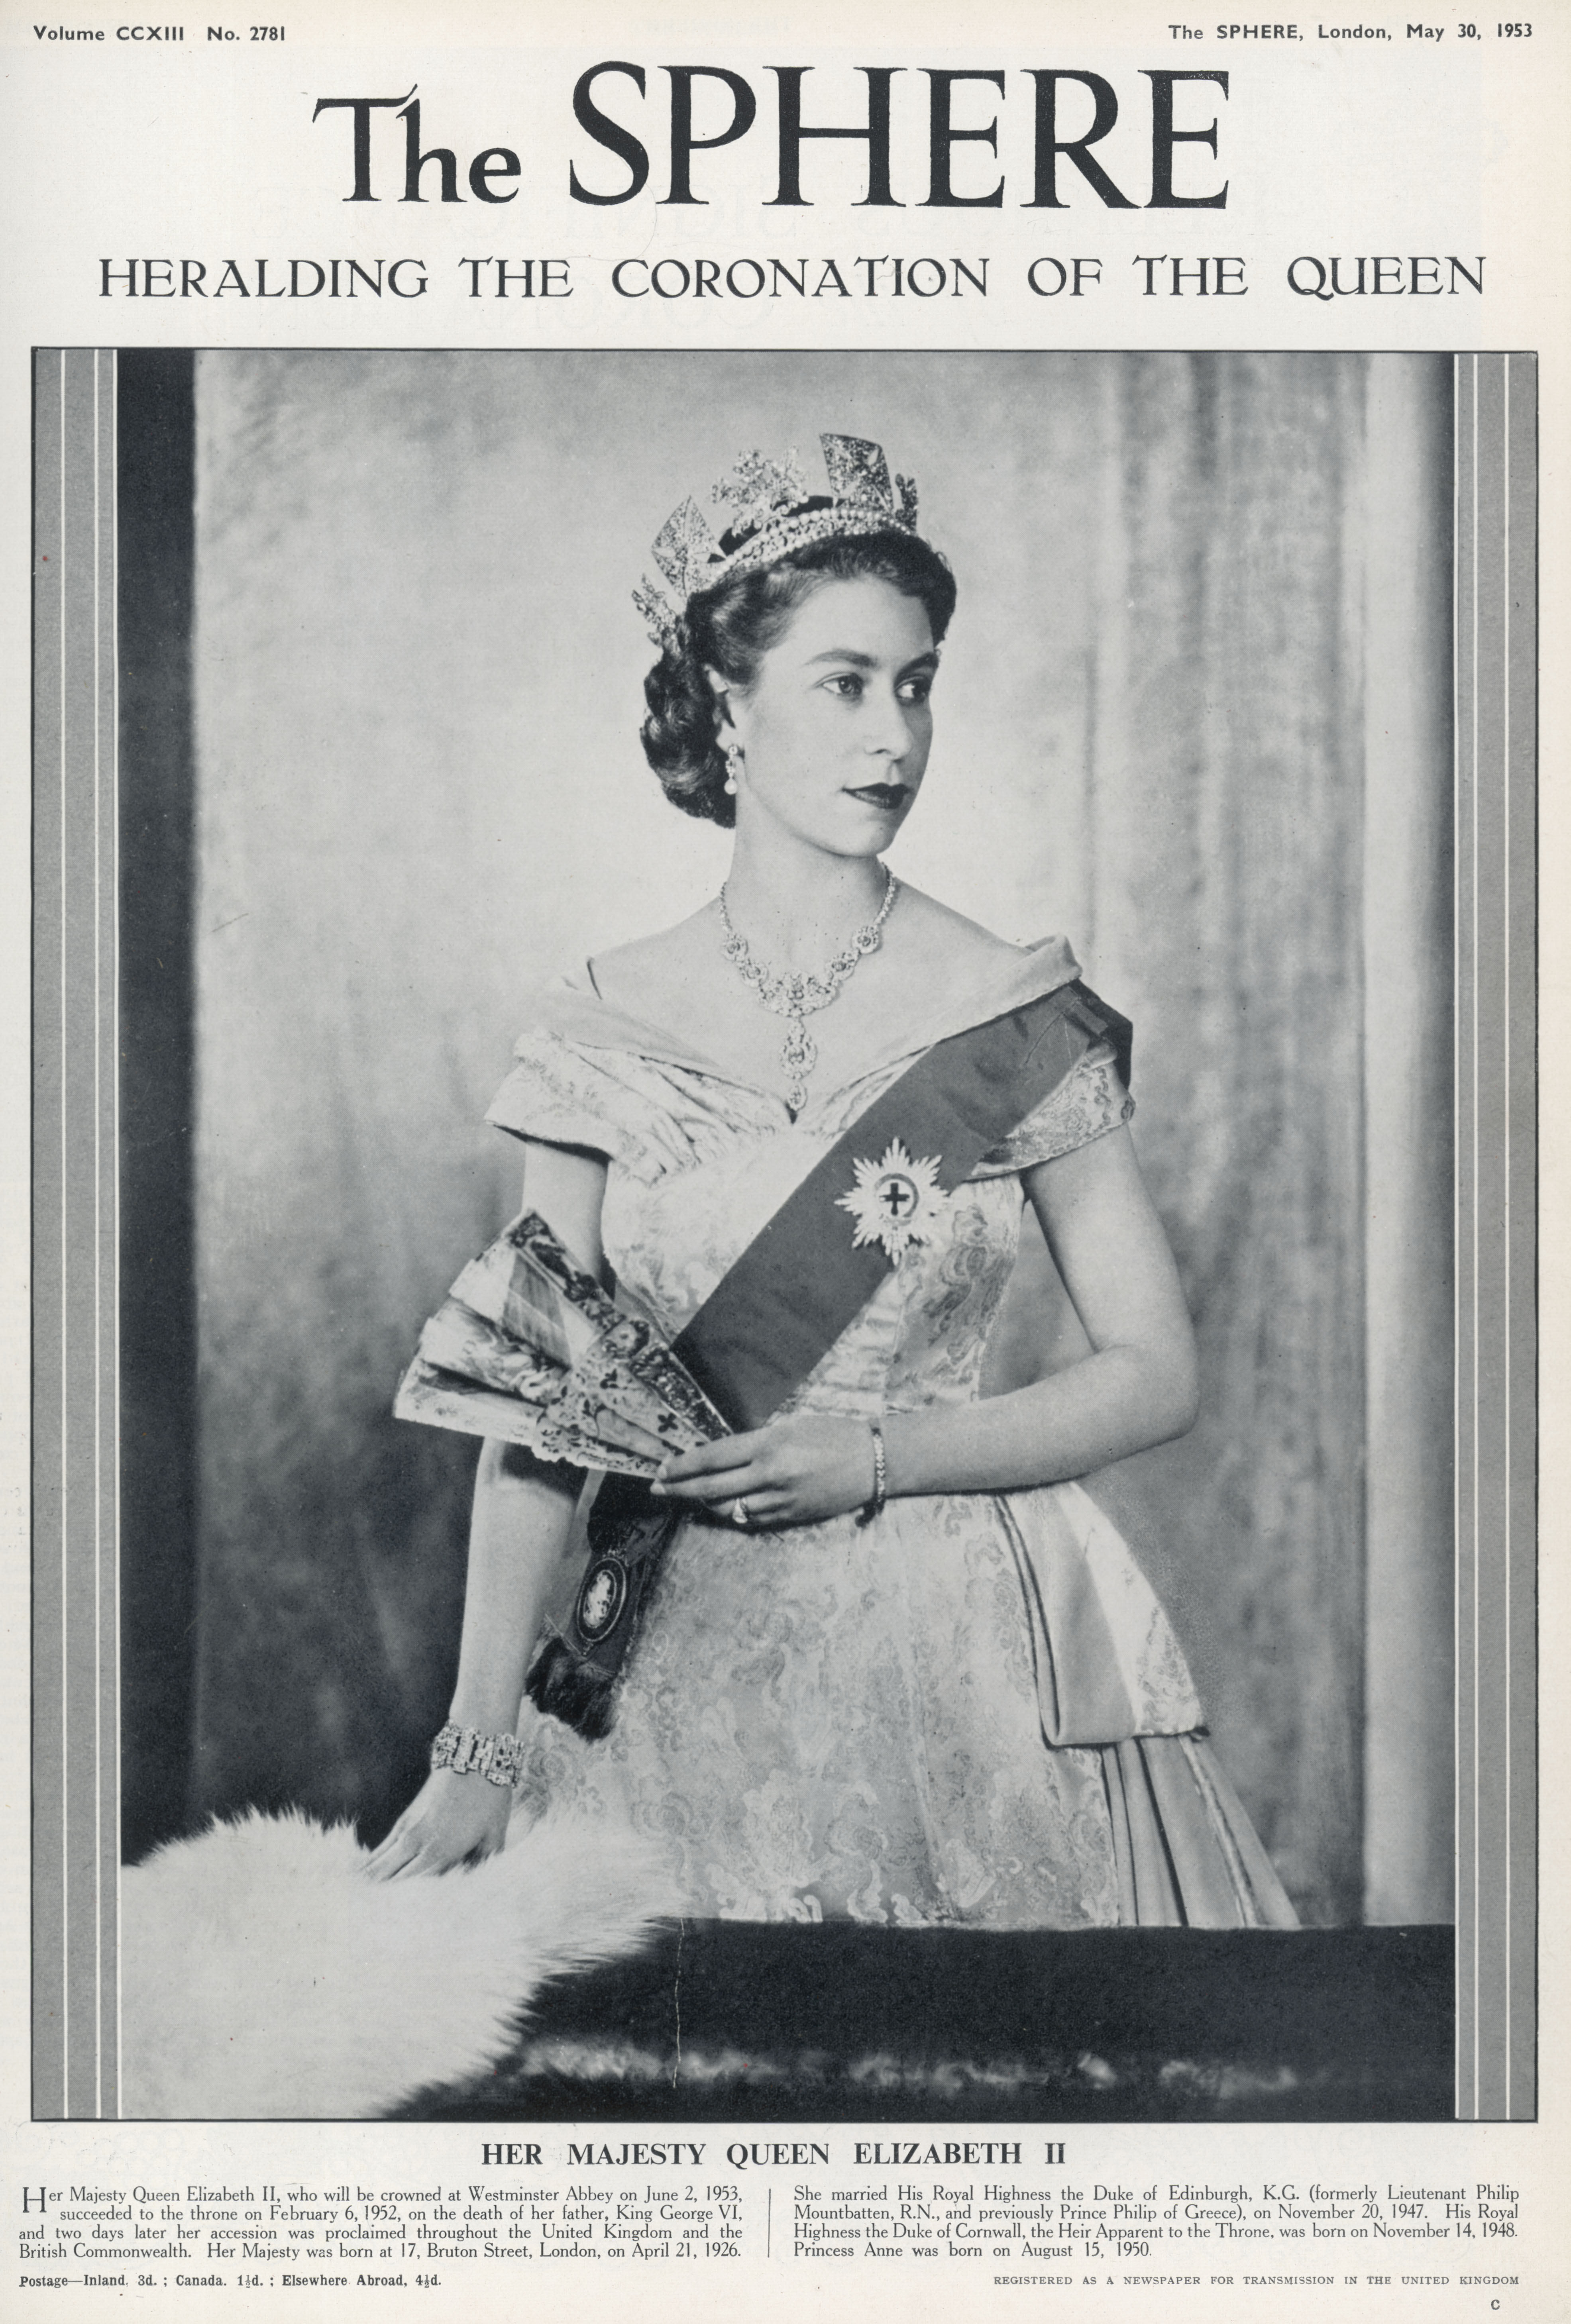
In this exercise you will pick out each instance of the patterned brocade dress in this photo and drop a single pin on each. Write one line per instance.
(971, 1711)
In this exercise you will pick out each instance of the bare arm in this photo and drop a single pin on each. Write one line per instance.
(521, 1544)
(1137, 1388)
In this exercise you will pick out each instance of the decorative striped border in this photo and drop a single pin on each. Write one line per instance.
(1495, 664)
(76, 1512)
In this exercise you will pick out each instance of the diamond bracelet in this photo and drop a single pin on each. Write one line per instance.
(498, 1757)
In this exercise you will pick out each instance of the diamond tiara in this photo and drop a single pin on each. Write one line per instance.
(773, 509)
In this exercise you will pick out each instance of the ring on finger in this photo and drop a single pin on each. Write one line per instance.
(739, 1513)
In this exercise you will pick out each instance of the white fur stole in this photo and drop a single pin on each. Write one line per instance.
(264, 1977)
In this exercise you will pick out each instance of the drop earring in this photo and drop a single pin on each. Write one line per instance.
(732, 765)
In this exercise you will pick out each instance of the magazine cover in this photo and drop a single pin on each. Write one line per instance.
(780, 1146)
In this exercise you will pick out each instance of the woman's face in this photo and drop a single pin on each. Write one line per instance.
(836, 725)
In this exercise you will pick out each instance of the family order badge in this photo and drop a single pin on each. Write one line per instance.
(602, 1597)
(895, 1202)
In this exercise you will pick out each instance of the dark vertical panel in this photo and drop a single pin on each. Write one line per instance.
(1410, 1783)
(158, 1320)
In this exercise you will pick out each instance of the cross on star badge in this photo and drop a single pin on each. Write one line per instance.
(895, 1202)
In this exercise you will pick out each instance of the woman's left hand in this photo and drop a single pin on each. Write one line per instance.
(812, 1465)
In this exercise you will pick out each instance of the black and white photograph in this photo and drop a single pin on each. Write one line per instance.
(782, 1163)
(787, 1203)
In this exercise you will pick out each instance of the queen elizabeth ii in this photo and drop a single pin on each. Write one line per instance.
(895, 1665)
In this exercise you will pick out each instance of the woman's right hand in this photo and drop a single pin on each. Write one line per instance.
(451, 1820)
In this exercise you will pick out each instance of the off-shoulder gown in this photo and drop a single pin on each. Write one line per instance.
(970, 1711)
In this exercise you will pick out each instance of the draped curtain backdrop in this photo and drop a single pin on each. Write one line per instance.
(1193, 713)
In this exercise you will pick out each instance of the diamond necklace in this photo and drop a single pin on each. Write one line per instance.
(799, 996)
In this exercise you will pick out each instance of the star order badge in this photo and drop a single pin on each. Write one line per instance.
(895, 1202)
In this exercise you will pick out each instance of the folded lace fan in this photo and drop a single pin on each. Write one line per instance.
(528, 1347)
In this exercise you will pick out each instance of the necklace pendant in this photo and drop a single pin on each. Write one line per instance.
(794, 994)
(798, 1051)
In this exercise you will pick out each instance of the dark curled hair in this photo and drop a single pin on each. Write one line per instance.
(732, 626)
